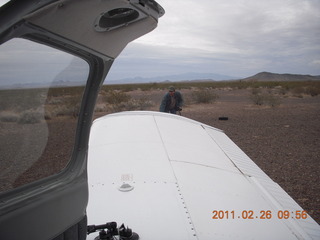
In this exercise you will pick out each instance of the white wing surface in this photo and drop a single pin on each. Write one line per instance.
(169, 177)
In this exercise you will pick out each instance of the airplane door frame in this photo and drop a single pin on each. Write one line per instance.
(56, 206)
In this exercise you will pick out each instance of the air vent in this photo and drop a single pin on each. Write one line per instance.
(115, 18)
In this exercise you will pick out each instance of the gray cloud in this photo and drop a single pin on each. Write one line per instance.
(234, 37)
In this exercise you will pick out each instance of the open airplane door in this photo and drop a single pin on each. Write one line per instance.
(55, 56)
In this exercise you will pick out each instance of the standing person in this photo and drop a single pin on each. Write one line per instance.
(172, 101)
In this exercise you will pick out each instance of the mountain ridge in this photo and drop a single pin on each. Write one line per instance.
(191, 76)
(262, 77)
(61, 80)
(268, 76)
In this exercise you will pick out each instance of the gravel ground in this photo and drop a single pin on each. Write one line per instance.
(283, 141)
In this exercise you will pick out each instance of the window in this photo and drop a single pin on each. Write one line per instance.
(40, 94)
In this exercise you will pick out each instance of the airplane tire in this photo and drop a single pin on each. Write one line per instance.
(223, 118)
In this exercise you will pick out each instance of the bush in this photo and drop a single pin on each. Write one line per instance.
(68, 105)
(30, 117)
(298, 92)
(204, 96)
(256, 96)
(116, 97)
(64, 110)
(272, 100)
(144, 103)
(255, 91)
(282, 91)
(312, 91)
(132, 104)
(258, 99)
(7, 116)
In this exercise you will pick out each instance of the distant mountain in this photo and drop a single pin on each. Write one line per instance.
(72, 74)
(267, 76)
(76, 72)
(173, 78)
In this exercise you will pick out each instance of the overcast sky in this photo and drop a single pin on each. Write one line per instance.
(230, 37)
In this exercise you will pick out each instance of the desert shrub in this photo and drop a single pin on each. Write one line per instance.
(144, 103)
(30, 117)
(298, 92)
(54, 100)
(68, 105)
(204, 96)
(258, 99)
(282, 91)
(235, 84)
(66, 110)
(312, 91)
(132, 104)
(125, 106)
(48, 115)
(255, 91)
(65, 91)
(21, 99)
(8, 116)
(116, 97)
(100, 108)
(272, 101)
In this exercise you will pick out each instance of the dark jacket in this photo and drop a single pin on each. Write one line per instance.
(166, 101)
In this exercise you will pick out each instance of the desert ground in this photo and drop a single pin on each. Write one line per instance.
(283, 140)
(281, 137)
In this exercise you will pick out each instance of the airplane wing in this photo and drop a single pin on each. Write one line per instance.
(169, 177)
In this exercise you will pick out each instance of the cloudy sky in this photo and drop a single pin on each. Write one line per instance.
(230, 37)
(235, 37)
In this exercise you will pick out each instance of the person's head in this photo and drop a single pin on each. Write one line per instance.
(171, 91)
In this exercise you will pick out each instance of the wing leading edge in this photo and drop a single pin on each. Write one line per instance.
(187, 181)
